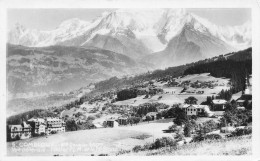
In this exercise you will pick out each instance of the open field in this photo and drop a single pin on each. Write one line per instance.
(96, 141)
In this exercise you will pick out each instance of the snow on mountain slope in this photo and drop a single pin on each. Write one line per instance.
(152, 29)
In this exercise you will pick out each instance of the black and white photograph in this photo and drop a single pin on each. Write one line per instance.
(119, 81)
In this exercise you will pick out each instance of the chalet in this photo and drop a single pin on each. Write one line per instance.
(219, 104)
(17, 132)
(111, 123)
(122, 121)
(152, 115)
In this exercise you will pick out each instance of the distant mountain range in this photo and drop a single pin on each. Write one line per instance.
(122, 42)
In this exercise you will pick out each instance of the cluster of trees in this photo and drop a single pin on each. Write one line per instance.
(134, 120)
(72, 125)
(191, 100)
(236, 117)
(145, 108)
(126, 94)
(225, 94)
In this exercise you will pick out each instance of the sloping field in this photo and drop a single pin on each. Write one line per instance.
(87, 142)
(231, 146)
(172, 95)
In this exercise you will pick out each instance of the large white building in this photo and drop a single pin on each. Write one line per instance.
(46, 125)
(38, 126)
(54, 125)
(196, 110)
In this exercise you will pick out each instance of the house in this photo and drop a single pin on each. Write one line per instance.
(152, 115)
(122, 121)
(17, 132)
(54, 125)
(38, 126)
(97, 126)
(111, 123)
(219, 104)
(197, 110)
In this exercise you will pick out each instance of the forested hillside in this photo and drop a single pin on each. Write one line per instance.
(236, 66)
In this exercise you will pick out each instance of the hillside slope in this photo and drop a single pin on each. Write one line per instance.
(38, 71)
(231, 146)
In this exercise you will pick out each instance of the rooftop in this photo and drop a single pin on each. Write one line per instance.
(219, 101)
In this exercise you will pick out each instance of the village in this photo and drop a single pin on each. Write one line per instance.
(183, 106)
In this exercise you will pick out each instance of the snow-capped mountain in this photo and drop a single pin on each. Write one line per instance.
(138, 32)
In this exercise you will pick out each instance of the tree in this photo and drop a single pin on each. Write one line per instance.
(230, 106)
(225, 94)
(179, 135)
(187, 129)
(181, 117)
(245, 104)
(191, 100)
(249, 106)
(148, 118)
(159, 116)
(209, 126)
(71, 125)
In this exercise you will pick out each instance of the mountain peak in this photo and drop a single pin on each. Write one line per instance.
(153, 27)
(19, 27)
(74, 22)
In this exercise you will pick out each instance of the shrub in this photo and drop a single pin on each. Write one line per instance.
(213, 137)
(53, 132)
(198, 138)
(103, 155)
(137, 148)
(98, 115)
(202, 137)
(187, 129)
(163, 142)
(91, 117)
(240, 132)
(194, 117)
(120, 152)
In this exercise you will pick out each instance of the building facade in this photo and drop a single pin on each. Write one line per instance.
(54, 125)
(197, 110)
(38, 126)
(111, 123)
(17, 132)
(219, 104)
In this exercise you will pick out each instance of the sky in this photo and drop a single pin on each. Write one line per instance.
(48, 19)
